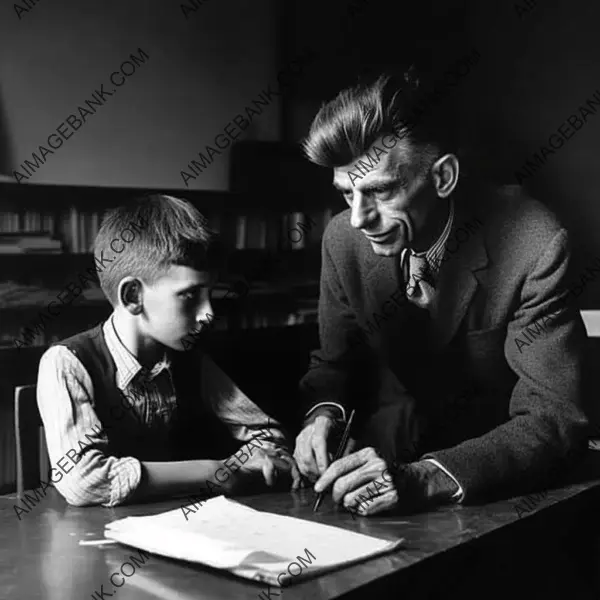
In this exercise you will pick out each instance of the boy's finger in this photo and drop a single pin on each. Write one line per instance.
(269, 473)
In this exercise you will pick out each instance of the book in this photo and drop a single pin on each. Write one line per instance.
(256, 232)
(284, 232)
(95, 227)
(295, 233)
(240, 232)
(249, 543)
(74, 229)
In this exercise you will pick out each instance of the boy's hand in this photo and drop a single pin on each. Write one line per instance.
(274, 464)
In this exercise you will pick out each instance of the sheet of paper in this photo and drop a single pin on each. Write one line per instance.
(228, 535)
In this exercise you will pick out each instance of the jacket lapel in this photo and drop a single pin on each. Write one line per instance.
(458, 278)
(383, 279)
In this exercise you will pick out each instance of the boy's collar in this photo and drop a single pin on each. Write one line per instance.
(127, 365)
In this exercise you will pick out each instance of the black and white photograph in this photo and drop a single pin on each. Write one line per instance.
(299, 299)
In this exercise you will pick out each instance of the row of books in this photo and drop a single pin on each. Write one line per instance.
(58, 329)
(28, 243)
(74, 230)
(70, 231)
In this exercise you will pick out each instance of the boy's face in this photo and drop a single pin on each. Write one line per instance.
(177, 304)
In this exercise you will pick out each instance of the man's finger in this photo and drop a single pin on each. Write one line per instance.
(320, 450)
(303, 455)
(369, 491)
(379, 504)
(352, 482)
(338, 468)
(296, 478)
(307, 466)
(349, 447)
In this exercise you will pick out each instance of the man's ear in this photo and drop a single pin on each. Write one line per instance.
(444, 175)
(131, 295)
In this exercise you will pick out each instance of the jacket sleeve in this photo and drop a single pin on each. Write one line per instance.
(544, 346)
(337, 371)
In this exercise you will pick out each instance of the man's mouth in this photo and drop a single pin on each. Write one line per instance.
(380, 237)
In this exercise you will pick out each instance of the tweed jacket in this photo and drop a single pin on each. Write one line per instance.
(462, 385)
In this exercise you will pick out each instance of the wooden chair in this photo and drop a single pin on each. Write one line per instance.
(31, 450)
(591, 320)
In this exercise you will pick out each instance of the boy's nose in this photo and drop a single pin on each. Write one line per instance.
(205, 313)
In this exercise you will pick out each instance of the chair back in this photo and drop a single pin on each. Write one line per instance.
(33, 464)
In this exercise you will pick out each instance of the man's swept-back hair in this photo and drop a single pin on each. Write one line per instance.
(149, 234)
(395, 104)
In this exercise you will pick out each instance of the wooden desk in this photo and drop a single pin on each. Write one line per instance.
(40, 556)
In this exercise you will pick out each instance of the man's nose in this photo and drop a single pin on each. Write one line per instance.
(363, 212)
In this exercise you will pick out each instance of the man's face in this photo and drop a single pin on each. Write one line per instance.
(177, 304)
(391, 201)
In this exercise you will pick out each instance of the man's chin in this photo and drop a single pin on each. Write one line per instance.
(387, 249)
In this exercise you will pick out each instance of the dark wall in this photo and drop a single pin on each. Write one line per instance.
(202, 71)
(538, 63)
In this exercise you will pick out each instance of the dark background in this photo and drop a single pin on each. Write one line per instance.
(535, 69)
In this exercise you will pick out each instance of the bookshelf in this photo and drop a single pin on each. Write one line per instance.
(277, 253)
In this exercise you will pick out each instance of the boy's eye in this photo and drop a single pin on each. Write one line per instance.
(191, 294)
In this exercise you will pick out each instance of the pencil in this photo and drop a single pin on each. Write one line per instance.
(340, 451)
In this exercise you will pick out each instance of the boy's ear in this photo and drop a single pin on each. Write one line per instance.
(131, 295)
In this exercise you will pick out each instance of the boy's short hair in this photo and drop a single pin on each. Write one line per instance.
(143, 238)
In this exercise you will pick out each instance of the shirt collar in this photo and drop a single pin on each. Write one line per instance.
(432, 254)
(128, 367)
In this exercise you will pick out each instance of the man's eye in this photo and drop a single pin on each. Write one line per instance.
(381, 193)
(188, 295)
(384, 193)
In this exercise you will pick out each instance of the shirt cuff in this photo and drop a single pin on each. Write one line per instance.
(327, 404)
(125, 477)
(458, 496)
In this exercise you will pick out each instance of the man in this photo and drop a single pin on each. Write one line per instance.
(432, 292)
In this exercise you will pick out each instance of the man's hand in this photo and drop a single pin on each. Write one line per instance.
(274, 464)
(311, 447)
(365, 484)
(361, 482)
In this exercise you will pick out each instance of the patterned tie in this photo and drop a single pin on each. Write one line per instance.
(420, 288)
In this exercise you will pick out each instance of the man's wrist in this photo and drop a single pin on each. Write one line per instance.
(328, 411)
(422, 484)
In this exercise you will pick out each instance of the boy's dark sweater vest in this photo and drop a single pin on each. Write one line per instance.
(193, 433)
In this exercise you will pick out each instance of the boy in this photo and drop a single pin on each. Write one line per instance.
(129, 414)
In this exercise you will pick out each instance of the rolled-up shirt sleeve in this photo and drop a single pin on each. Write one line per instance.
(82, 469)
(244, 419)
